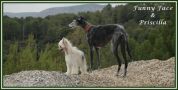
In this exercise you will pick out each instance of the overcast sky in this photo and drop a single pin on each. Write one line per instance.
(37, 7)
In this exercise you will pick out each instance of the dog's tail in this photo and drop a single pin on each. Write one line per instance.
(125, 37)
(128, 50)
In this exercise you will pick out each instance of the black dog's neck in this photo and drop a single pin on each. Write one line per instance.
(87, 26)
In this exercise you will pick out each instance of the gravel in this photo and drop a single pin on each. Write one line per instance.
(150, 73)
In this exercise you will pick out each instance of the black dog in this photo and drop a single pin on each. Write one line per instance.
(100, 35)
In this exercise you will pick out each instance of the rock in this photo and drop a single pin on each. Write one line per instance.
(149, 73)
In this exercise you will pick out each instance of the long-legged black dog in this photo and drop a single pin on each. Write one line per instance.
(100, 35)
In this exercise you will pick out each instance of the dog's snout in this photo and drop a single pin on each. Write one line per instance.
(69, 25)
(60, 48)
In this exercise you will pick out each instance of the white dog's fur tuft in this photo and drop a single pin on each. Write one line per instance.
(75, 59)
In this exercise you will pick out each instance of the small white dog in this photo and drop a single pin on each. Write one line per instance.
(75, 59)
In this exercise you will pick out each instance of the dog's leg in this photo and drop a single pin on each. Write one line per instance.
(74, 69)
(91, 58)
(83, 65)
(118, 61)
(68, 69)
(115, 43)
(123, 48)
(98, 57)
(83, 69)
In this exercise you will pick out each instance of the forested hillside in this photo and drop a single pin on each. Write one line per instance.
(31, 43)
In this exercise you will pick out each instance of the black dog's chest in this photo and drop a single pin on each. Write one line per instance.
(99, 37)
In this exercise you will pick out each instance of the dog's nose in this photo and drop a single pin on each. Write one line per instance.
(69, 25)
(60, 49)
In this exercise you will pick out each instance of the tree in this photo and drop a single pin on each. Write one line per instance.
(51, 59)
(28, 54)
(11, 29)
(107, 13)
(12, 62)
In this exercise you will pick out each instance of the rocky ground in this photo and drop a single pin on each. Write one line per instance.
(150, 73)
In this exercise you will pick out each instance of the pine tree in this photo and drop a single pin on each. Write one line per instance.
(11, 63)
(28, 54)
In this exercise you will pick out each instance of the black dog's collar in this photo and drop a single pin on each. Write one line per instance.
(88, 27)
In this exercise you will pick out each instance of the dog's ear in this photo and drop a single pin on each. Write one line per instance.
(83, 18)
(63, 38)
(80, 18)
(64, 41)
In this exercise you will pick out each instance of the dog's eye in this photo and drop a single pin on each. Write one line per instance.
(59, 46)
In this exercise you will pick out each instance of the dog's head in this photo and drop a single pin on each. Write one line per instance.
(62, 44)
(79, 21)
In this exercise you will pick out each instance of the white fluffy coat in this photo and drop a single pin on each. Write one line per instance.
(75, 59)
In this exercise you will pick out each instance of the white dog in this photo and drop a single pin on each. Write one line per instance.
(75, 59)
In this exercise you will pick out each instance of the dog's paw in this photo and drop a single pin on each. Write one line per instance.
(74, 73)
(67, 73)
(117, 74)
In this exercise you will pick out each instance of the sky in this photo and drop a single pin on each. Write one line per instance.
(37, 7)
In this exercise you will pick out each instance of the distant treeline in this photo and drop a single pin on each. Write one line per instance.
(31, 43)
